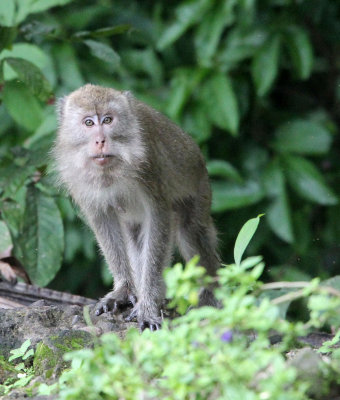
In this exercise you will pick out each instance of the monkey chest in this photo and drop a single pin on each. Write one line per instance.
(129, 203)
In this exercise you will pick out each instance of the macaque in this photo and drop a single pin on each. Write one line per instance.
(142, 186)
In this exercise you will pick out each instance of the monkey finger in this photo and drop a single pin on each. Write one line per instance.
(131, 316)
(155, 327)
(99, 311)
(143, 325)
(132, 299)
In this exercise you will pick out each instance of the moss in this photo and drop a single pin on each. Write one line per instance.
(45, 360)
(48, 359)
(6, 370)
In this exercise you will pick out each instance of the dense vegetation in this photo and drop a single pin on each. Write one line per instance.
(256, 83)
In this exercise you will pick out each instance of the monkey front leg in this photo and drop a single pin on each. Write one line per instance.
(107, 229)
(156, 253)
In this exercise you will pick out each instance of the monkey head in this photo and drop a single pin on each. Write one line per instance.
(98, 130)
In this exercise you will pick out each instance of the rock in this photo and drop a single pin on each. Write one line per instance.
(53, 331)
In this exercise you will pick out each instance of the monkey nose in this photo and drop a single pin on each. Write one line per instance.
(100, 143)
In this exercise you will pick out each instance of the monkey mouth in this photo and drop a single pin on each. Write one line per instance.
(102, 159)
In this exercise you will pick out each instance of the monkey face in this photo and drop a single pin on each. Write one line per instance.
(100, 129)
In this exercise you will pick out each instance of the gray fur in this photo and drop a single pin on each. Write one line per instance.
(153, 193)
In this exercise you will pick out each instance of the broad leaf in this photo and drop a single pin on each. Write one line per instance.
(102, 32)
(303, 137)
(239, 45)
(219, 98)
(228, 196)
(244, 237)
(197, 124)
(187, 13)
(265, 65)
(31, 75)
(5, 238)
(210, 30)
(68, 66)
(12, 214)
(300, 49)
(7, 13)
(273, 178)
(279, 218)
(278, 212)
(30, 53)
(26, 7)
(185, 80)
(145, 61)
(42, 237)
(22, 105)
(223, 169)
(7, 35)
(307, 181)
(103, 52)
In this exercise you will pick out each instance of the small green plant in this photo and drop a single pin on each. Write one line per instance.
(23, 374)
(207, 353)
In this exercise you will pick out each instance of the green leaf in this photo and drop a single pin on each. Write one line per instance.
(278, 212)
(265, 65)
(30, 53)
(210, 30)
(187, 14)
(244, 237)
(12, 213)
(26, 7)
(145, 61)
(5, 242)
(228, 196)
(7, 12)
(48, 126)
(103, 52)
(184, 82)
(279, 218)
(223, 169)
(22, 105)
(31, 76)
(7, 36)
(102, 32)
(303, 137)
(307, 181)
(240, 44)
(300, 50)
(219, 98)
(20, 352)
(273, 178)
(197, 124)
(42, 237)
(68, 67)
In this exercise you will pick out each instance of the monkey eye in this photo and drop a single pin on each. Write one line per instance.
(107, 120)
(89, 122)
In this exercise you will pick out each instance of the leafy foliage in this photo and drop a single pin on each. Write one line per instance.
(254, 82)
(24, 374)
(207, 353)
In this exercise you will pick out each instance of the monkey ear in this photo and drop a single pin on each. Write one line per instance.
(60, 107)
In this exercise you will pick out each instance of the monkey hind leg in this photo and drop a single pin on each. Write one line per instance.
(197, 239)
(196, 235)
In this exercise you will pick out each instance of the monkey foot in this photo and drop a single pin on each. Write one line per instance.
(115, 303)
(144, 322)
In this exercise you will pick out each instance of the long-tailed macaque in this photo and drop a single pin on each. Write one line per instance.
(142, 185)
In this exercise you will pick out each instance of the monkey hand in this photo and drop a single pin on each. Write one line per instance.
(145, 318)
(116, 301)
